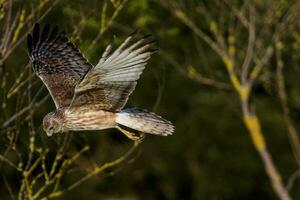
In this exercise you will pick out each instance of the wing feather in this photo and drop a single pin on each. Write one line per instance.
(57, 62)
(115, 76)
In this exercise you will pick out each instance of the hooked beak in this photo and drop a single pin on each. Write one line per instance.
(49, 134)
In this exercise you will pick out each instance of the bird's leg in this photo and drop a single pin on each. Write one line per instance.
(132, 134)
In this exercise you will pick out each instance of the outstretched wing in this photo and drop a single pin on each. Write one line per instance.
(57, 62)
(108, 85)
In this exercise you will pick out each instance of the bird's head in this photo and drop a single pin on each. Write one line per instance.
(52, 123)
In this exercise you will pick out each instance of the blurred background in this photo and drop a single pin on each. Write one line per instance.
(226, 74)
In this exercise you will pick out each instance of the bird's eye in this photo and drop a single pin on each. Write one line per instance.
(51, 128)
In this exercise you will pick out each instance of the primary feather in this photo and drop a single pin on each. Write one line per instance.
(114, 78)
(57, 62)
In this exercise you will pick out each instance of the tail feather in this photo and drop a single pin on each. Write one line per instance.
(144, 121)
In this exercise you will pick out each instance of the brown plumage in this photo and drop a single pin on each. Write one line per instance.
(92, 97)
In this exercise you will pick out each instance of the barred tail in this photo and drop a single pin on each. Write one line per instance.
(144, 121)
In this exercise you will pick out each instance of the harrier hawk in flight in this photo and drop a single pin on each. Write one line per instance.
(91, 97)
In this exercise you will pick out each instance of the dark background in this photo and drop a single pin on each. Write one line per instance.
(210, 155)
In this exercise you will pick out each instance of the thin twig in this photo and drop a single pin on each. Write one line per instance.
(280, 80)
(97, 170)
(23, 111)
(108, 24)
(250, 46)
(292, 180)
(196, 76)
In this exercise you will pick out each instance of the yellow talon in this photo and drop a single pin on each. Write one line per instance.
(132, 134)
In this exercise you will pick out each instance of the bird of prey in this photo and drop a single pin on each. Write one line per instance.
(91, 97)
